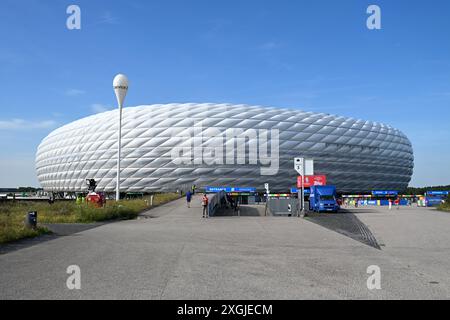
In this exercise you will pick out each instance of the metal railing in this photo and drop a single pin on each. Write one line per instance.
(216, 201)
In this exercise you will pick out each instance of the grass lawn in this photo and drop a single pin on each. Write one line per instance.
(446, 205)
(12, 214)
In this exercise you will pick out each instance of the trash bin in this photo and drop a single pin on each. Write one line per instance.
(31, 220)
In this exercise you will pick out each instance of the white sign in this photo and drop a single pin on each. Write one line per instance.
(309, 167)
(306, 164)
(298, 165)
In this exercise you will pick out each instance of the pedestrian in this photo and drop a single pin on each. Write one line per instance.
(397, 203)
(188, 198)
(205, 205)
(193, 189)
(390, 204)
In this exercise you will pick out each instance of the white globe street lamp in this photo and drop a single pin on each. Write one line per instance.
(120, 85)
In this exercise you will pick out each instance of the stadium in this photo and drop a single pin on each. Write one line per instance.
(167, 147)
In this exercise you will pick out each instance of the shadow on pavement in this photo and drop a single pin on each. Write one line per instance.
(57, 230)
(357, 210)
(244, 211)
(347, 224)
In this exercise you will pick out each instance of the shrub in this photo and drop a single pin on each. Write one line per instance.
(446, 205)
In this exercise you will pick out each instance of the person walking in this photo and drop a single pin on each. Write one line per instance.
(390, 204)
(397, 203)
(205, 205)
(188, 198)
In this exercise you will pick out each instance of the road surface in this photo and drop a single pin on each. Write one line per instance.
(172, 253)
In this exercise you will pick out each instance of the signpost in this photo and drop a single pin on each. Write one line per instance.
(266, 186)
(299, 165)
(303, 167)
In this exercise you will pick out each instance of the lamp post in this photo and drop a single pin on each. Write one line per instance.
(120, 85)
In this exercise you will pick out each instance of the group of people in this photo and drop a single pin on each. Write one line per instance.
(204, 201)
(396, 202)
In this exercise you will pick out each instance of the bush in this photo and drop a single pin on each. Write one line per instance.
(70, 212)
(446, 205)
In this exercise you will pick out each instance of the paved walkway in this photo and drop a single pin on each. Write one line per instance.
(172, 253)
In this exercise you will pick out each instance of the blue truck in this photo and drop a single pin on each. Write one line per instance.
(323, 199)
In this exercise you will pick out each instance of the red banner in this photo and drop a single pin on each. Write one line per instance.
(312, 181)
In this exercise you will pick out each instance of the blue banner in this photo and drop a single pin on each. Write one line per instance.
(437, 193)
(385, 193)
(214, 189)
(229, 189)
(305, 191)
(241, 189)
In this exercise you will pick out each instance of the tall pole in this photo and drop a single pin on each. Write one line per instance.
(119, 150)
(120, 85)
(303, 190)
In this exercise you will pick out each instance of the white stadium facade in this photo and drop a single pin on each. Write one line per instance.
(166, 147)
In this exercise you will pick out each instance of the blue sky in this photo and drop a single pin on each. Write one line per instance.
(312, 55)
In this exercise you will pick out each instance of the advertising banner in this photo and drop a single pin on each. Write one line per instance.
(312, 181)
(229, 189)
(295, 190)
(384, 193)
(437, 193)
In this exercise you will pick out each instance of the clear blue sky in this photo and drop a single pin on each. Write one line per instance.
(312, 55)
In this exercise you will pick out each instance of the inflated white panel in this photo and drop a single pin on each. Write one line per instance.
(355, 155)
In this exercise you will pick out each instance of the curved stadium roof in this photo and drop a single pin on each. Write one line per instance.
(356, 155)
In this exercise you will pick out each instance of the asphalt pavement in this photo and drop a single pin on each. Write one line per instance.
(171, 252)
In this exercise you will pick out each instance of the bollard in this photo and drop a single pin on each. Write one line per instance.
(31, 220)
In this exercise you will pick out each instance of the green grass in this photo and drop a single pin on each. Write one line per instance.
(12, 214)
(446, 205)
